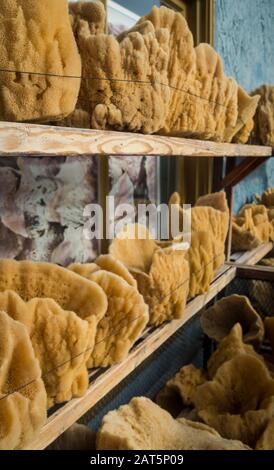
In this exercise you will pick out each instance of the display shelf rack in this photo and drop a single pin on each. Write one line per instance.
(102, 381)
(32, 140)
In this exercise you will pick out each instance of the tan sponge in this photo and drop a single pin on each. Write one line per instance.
(36, 38)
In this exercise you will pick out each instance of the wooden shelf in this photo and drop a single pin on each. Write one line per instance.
(102, 381)
(251, 257)
(40, 140)
(258, 273)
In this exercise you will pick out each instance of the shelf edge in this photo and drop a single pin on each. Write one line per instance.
(33, 140)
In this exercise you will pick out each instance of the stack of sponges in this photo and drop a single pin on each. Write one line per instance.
(229, 405)
(254, 223)
(166, 272)
(235, 394)
(126, 314)
(162, 274)
(151, 79)
(209, 227)
(62, 323)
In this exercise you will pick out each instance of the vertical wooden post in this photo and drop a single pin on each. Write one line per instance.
(230, 198)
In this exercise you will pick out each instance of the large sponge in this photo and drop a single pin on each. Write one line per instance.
(62, 343)
(46, 280)
(36, 38)
(23, 397)
(143, 425)
(162, 274)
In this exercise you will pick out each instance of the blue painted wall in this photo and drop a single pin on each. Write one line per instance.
(244, 36)
(140, 7)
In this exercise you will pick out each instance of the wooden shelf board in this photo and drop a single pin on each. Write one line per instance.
(258, 273)
(251, 257)
(18, 139)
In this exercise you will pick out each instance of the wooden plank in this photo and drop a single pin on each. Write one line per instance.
(74, 409)
(259, 273)
(17, 139)
(230, 198)
(253, 256)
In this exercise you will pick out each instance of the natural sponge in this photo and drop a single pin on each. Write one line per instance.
(109, 263)
(210, 105)
(218, 320)
(215, 107)
(23, 397)
(36, 38)
(126, 315)
(143, 425)
(162, 274)
(247, 106)
(71, 291)
(267, 198)
(116, 97)
(89, 15)
(239, 401)
(211, 215)
(250, 228)
(151, 79)
(62, 343)
(106, 262)
(84, 269)
(180, 390)
(264, 118)
(228, 348)
(124, 321)
(209, 227)
(180, 56)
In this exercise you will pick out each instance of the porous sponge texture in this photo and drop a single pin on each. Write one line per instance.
(125, 319)
(151, 79)
(179, 391)
(114, 100)
(165, 288)
(45, 280)
(144, 425)
(62, 343)
(36, 37)
(251, 227)
(126, 315)
(210, 107)
(162, 274)
(239, 401)
(264, 118)
(23, 396)
(88, 15)
(209, 227)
